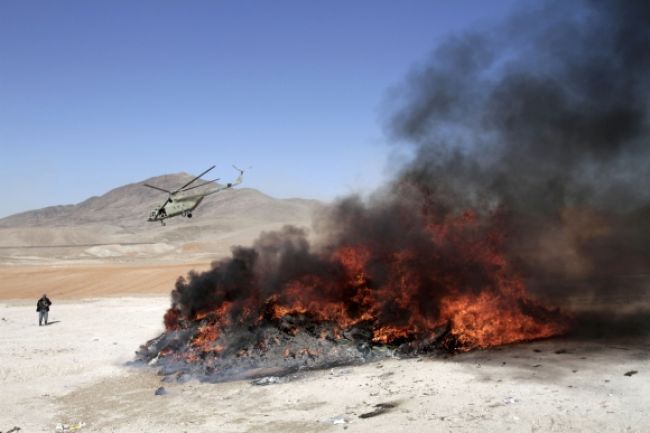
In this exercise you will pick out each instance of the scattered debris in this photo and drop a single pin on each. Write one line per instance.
(267, 380)
(160, 391)
(510, 400)
(630, 373)
(537, 365)
(340, 419)
(536, 350)
(68, 428)
(15, 428)
(561, 351)
(379, 409)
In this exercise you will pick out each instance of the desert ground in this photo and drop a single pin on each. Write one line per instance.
(75, 372)
(96, 280)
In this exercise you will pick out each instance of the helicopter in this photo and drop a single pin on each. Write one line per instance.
(185, 204)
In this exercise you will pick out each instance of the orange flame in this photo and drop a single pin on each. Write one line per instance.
(467, 285)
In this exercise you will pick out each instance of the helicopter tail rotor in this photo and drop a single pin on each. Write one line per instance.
(240, 178)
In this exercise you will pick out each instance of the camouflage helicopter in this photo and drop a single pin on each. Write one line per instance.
(184, 204)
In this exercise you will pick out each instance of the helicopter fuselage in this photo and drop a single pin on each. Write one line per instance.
(174, 207)
(183, 204)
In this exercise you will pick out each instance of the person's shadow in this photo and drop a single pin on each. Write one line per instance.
(52, 322)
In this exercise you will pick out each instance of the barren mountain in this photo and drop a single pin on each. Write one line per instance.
(114, 225)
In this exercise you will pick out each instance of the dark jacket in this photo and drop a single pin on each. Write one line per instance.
(43, 304)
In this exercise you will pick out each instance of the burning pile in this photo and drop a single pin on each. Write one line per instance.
(529, 171)
(404, 276)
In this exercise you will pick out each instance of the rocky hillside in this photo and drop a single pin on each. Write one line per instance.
(120, 217)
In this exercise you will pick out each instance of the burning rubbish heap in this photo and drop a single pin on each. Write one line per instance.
(528, 175)
(436, 283)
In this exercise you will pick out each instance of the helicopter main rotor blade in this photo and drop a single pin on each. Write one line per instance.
(193, 180)
(158, 188)
(209, 182)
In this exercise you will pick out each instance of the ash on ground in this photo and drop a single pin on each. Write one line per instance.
(277, 348)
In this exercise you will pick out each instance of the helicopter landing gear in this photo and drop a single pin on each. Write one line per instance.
(189, 215)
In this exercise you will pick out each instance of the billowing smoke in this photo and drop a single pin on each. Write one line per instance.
(530, 170)
(545, 116)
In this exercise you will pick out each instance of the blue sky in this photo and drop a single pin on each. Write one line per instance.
(94, 95)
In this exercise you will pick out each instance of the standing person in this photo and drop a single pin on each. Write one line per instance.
(43, 307)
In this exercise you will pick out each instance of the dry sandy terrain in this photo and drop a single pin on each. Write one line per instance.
(74, 371)
(75, 281)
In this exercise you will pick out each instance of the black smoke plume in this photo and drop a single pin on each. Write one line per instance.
(547, 117)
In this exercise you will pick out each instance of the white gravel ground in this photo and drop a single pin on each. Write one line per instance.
(74, 371)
